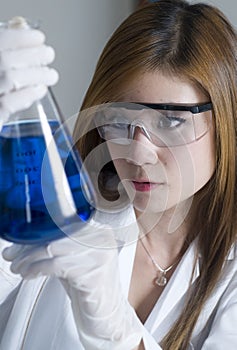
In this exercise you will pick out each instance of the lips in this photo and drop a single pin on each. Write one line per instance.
(144, 186)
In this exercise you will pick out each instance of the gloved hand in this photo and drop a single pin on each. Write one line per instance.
(87, 265)
(24, 75)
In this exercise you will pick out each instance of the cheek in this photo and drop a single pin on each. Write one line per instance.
(180, 173)
(190, 167)
(204, 163)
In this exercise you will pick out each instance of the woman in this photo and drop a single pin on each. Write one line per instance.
(161, 108)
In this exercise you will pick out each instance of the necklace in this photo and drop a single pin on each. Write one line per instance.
(161, 280)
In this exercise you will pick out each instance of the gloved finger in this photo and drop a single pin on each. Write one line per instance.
(17, 79)
(11, 39)
(32, 269)
(11, 252)
(28, 256)
(62, 267)
(63, 249)
(38, 261)
(96, 237)
(86, 237)
(27, 57)
(22, 99)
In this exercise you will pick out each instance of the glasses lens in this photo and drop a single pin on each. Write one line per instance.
(171, 128)
(113, 126)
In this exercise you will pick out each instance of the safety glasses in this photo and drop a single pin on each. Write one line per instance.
(165, 125)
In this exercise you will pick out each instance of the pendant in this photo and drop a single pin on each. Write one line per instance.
(161, 280)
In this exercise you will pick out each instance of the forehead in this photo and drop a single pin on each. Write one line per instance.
(156, 87)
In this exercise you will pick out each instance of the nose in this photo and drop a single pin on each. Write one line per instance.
(141, 150)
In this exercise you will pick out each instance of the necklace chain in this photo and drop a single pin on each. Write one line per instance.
(161, 280)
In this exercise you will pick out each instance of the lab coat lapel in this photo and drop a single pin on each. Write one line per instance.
(126, 260)
(173, 292)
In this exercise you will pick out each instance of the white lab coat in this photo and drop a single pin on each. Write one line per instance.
(37, 314)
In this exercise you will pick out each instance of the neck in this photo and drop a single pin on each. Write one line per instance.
(165, 233)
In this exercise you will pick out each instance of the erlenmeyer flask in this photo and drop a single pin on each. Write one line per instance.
(43, 186)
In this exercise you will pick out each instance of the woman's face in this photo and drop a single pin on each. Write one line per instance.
(159, 178)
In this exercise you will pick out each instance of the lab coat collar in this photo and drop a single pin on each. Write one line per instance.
(173, 296)
(176, 290)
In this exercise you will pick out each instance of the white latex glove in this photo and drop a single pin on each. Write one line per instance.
(87, 264)
(24, 75)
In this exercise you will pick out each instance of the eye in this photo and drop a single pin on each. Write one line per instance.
(170, 122)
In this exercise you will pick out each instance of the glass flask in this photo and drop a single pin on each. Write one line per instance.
(45, 192)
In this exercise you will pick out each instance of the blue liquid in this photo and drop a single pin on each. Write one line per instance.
(24, 217)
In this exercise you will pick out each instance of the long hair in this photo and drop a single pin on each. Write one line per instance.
(193, 41)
